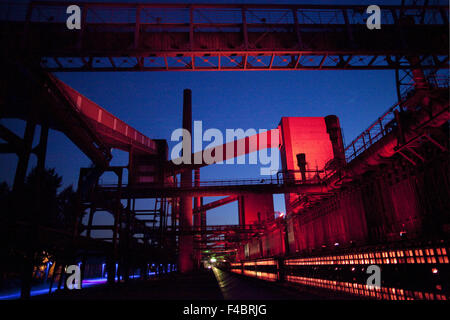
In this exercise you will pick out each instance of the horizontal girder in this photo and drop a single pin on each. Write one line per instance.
(266, 186)
(164, 37)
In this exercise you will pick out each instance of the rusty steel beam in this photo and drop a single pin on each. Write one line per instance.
(229, 150)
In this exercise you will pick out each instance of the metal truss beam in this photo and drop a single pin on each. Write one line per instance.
(215, 37)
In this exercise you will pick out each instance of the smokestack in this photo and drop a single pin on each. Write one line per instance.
(187, 110)
(301, 162)
(186, 241)
(334, 130)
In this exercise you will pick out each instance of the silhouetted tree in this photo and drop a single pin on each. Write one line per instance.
(41, 197)
(4, 190)
(67, 208)
(38, 203)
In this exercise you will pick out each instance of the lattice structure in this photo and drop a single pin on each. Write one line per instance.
(216, 37)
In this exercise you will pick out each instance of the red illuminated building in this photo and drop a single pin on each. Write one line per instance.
(383, 199)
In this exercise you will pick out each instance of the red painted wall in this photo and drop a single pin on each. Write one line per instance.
(306, 135)
(252, 204)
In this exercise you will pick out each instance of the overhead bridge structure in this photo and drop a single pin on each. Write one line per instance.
(212, 37)
(382, 199)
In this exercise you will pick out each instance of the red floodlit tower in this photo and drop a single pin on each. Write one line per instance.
(308, 144)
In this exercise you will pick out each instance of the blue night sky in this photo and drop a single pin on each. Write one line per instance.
(152, 103)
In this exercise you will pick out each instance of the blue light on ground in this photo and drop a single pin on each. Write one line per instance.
(44, 288)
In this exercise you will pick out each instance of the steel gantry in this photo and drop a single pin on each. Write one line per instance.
(413, 40)
(216, 37)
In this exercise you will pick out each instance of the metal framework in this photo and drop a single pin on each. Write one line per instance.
(160, 37)
(384, 125)
(217, 37)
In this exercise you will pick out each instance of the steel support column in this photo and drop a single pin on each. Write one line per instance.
(117, 222)
(197, 218)
(24, 156)
(19, 180)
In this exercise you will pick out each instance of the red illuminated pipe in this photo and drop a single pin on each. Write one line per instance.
(251, 144)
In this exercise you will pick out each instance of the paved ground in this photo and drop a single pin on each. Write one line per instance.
(209, 285)
(237, 287)
(197, 286)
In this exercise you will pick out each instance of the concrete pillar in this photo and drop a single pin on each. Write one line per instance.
(186, 241)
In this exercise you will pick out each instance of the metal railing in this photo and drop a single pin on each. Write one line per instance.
(219, 229)
(224, 14)
(384, 124)
(378, 129)
(219, 183)
(272, 180)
